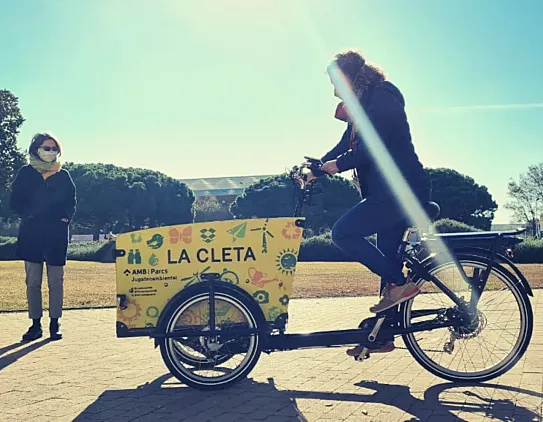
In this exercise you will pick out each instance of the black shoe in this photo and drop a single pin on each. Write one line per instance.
(54, 331)
(33, 333)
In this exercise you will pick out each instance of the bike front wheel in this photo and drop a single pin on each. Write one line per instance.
(487, 348)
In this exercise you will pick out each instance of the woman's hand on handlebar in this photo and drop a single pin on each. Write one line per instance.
(309, 177)
(330, 167)
(304, 175)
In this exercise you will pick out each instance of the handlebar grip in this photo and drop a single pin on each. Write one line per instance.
(313, 161)
(315, 166)
(317, 172)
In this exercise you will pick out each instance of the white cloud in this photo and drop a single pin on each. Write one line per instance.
(483, 107)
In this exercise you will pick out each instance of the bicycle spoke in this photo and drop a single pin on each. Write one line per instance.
(493, 336)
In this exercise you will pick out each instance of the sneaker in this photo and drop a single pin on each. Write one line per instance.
(54, 331)
(33, 333)
(396, 295)
(385, 348)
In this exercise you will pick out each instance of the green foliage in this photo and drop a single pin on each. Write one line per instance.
(80, 251)
(7, 248)
(276, 197)
(91, 251)
(461, 199)
(123, 199)
(529, 252)
(321, 249)
(11, 158)
(210, 209)
(447, 225)
(7, 239)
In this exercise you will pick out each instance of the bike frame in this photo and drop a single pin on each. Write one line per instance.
(371, 331)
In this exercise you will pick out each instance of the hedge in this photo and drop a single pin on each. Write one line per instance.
(314, 249)
(91, 251)
(7, 248)
(529, 252)
(81, 251)
(446, 225)
(321, 249)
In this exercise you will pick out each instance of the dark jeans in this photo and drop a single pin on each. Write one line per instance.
(371, 216)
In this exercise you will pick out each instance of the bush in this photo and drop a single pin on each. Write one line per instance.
(7, 248)
(321, 248)
(529, 252)
(91, 251)
(7, 239)
(83, 251)
(210, 209)
(446, 225)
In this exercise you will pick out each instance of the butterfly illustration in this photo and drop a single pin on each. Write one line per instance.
(185, 235)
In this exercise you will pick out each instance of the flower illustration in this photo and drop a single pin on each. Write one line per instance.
(273, 313)
(284, 300)
(262, 296)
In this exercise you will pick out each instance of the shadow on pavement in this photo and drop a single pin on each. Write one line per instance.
(499, 402)
(6, 360)
(11, 347)
(251, 400)
(160, 400)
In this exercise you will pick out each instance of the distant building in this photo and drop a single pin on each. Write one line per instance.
(225, 189)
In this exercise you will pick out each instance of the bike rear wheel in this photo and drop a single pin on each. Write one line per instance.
(489, 347)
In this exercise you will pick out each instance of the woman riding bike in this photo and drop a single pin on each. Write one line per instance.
(379, 212)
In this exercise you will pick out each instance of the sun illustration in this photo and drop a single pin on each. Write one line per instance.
(286, 261)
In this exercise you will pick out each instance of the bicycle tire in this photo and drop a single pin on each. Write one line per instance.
(511, 359)
(250, 309)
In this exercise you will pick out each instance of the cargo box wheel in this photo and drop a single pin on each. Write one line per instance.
(205, 362)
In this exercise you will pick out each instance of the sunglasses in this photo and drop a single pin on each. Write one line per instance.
(46, 148)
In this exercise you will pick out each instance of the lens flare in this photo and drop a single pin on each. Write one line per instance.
(382, 158)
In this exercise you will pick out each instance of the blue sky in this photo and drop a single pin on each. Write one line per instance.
(226, 88)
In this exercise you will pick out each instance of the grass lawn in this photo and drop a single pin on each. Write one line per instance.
(90, 284)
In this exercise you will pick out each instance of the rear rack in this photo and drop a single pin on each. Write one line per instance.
(480, 239)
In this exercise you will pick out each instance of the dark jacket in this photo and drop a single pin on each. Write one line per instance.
(41, 205)
(384, 106)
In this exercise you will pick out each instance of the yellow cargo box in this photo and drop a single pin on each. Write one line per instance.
(154, 265)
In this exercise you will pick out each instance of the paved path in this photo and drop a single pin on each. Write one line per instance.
(92, 375)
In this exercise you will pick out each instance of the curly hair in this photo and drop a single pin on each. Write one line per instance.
(362, 74)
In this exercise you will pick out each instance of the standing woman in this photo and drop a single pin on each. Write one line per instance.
(44, 197)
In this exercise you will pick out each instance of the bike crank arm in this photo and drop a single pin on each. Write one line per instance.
(364, 354)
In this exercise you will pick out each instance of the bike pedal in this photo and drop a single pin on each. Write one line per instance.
(363, 355)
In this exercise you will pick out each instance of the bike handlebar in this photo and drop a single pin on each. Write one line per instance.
(313, 165)
(298, 175)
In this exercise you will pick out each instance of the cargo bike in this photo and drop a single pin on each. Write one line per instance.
(214, 296)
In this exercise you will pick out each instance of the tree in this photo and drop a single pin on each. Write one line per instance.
(210, 209)
(275, 197)
(119, 199)
(11, 158)
(101, 197)
(527, 197)
(461, 199)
